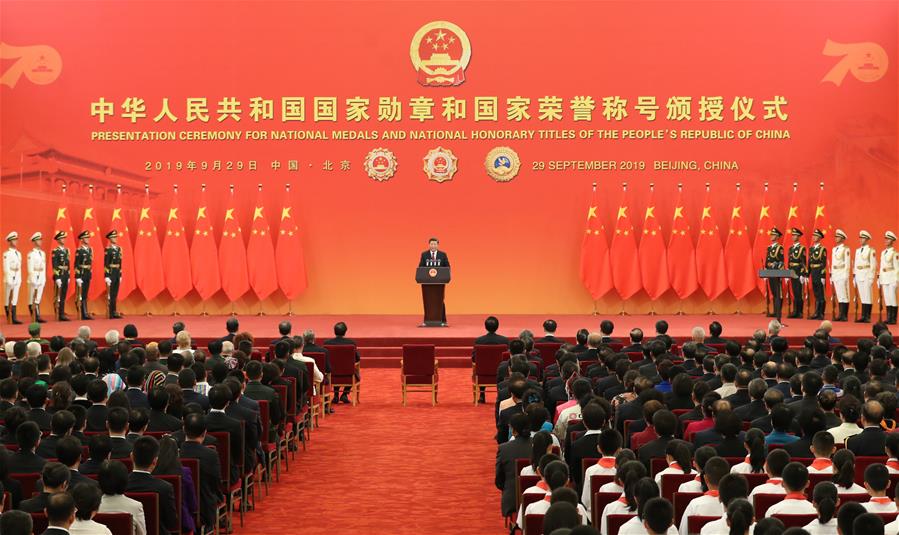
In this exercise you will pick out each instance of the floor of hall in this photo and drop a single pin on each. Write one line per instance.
(383, 469)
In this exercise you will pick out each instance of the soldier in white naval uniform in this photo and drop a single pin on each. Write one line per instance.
(889, 265)
(865, 270)
(37, 277)
(840, 267)
(12, 277)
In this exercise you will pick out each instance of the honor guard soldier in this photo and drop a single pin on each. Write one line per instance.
(817, 272)
(798, 263)
(37, 276)
(12, 277)
(84, 255)
(889, 266)
(774, 259)
(840, 266)
(112, 269)
(865, 268)
(60, 259)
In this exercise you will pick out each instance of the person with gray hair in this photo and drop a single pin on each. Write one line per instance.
(84, 332)
(309, 346)
(774, 327)
(112, 337)
(33, 349)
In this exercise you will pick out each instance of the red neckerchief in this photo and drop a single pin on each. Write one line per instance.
(606, 462)
(696, 478)
(622, 499)
(675, 466)
(795, 496)
(746, 460)
(775, 481)
(547, 497)
(542, 485)
(893, 463)
(821, 463)
(712, 493)
(881, 499)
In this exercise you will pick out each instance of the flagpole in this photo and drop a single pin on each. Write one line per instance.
(738, 301)
(290, 301)
(680, 302)
(260, 313)
(174, 201)
(708, 188)
(231, 188)
(624, 191)
(595, 310)
(147, 193)
(118, 199)
(202, 301)
(652, 309)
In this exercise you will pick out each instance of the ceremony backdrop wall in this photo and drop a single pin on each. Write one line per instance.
(514, 246)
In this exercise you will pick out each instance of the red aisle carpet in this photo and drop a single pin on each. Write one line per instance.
(383, 469)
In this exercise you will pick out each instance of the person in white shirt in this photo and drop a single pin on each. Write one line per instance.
(731, 487)
(728, 387)
(824, 499)
(556, 477)
(774, 465)
(542, 487)
(628, 475)
(541, 444)
(700, 457)
(849, 412)
(877, 479)
(113, 479)
(317, 375)
(893, 527)
(708, 504)
(754, 441)
(823, 448)
(892, 451)
(645, 492)
(795, 480)
(658, 517)
(678, 457)
(844, 473)
(609, 445)
(87, 501)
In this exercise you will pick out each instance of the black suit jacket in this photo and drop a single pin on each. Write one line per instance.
(47, 447)
(506, 469)
(258, 391)
(36, 504)
(489, 339)
(752, 410)
(160, 421)
(219, 421)
(41, 417)
(190, 396)
(251, 433)
(442, 259)
(137, 398)
(739, 398)
(870, 442)
(25, 463)
(55, 531)
(652, 449)
(144, 482)
(582, 448)
(121, 447)
(90, 467)
(96, 418)
(502, 425)
(210, 479)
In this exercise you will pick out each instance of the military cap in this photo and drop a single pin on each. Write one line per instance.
(795, 231)
(890, 235)
(864, 234)
(84, 234)
(818, 233)
(775, 232)
(112, 234)
(840, 234)
(36, 236)
(12, 236)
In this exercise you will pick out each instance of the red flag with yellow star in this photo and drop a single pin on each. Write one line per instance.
(175, 253)
(147, 255)
(289, 258)
(233, 255)
(822, 222)
(653, 259)
(204, 260)
(793, 221)
(64, 224)
(596, 272)
(261, 253)
(738, 252)
(623, 253)
(120, 225)
(681, 253)
(710, 253)
(762, 240)
(90, 223)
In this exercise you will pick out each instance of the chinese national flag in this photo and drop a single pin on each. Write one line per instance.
(175, 254)
(147, 255)
(204, 263)
(762, 240)
(710, 254)
(289, 259)
(681, 254)
(127, 283)
(653, 260)
(793, 221)
(64, 224)
(233, 256)
(596, 272)
(261, 254)
(96, 241)
(822, 222)
(738, 253)
(623, 253)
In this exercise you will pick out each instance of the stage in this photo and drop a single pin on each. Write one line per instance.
(381, 337)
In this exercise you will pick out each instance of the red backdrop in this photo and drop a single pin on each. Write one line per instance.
(514, 246)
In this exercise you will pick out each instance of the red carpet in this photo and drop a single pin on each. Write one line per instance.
(383, 469)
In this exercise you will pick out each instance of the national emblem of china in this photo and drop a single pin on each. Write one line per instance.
(502, 164)
(440, 164)
(440, 52)
(380, 164)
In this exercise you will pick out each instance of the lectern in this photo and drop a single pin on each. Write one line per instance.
(433, 282)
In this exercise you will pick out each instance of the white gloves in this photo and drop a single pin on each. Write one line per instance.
(59, 283)
(108, 281)
(78, 282)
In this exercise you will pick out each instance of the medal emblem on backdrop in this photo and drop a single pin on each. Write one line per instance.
(502, 164)
(440, 164)
(380, 164)
(440, 52)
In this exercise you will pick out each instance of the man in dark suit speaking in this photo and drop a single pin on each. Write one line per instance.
(433, 257)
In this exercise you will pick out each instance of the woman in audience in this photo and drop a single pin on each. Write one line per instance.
(14, 417)
(644, 490)
(627, 476)
(176, 400)
(739, 518)
(169, 464)
(154, 378)
(825, 499)
(113, 479)
(697, 484)
(677, 455)
(616, 485)
(754, 443)
(61, 396)
(768, 526)
(87, 501)
(729, 426)
(541, 444)
(844, 475)
(542, 486)
(65, 357)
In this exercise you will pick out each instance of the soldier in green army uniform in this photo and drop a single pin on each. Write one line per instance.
(112, 268)
(84, 255)
(798, 262)
(817, 271)
(60, 260)
(774, 259)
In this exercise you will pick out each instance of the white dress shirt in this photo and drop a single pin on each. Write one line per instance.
(634, 526)
(119, 503)
(602, 467)
(773, 486)
(880, 505)
(316, 373)
(88, 527)
(843, 431)
(706, 505)
(717, 527)
(817, 528)
(794, 503)
(618, 507)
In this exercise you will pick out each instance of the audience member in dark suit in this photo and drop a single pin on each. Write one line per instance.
(594, 418)
(581, 341)
(99, 448)
(136, 397)
(506, 454)
(614, 384)
(258, 391)
(741, 397)
(491, 324)
(665, 424)
(681, 395)
(872, 439)
(61, 424)
(215, 354)
(636, 345)
(517, 347)
(210, 469)
(772, 399)
(549, 333)
(340, 329)
(60, 509)
(729, 426)
(605, 328)
(715, 330)
(146, 451)
(309, 346)
(158, 400)
(633, 410)
(756, 407)
(55, 478)
(218, 421)
(97, 394)
(231, 326)
(25, 461)
(251, 425)
(811, 385)
(187, 380)
(810, 422)
(36, 398)
(68, 451)
(117, 424)
(517, 389)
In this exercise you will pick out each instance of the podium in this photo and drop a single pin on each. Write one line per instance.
(433, 282)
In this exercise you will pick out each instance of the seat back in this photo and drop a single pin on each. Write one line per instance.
(319, 359)
(755, 480)
(762, 502)
(223, 450)
(175, 482)
(862, 462)
(150, 502)
(533, 524)
(39, 522)
(547, 351)
(797, 521)
(599, 502)
(598, 480)
(681, 499)
(28, 483)
(656, 465)
(419, 359)
(486, 361)
(614, 522)
(887, 517)
(194, 466)
(672, 482)
(695, 523)
(529, 498)
(528, 482)
(343, 360)
(265, 421)
(813, 479)
(118, 523)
